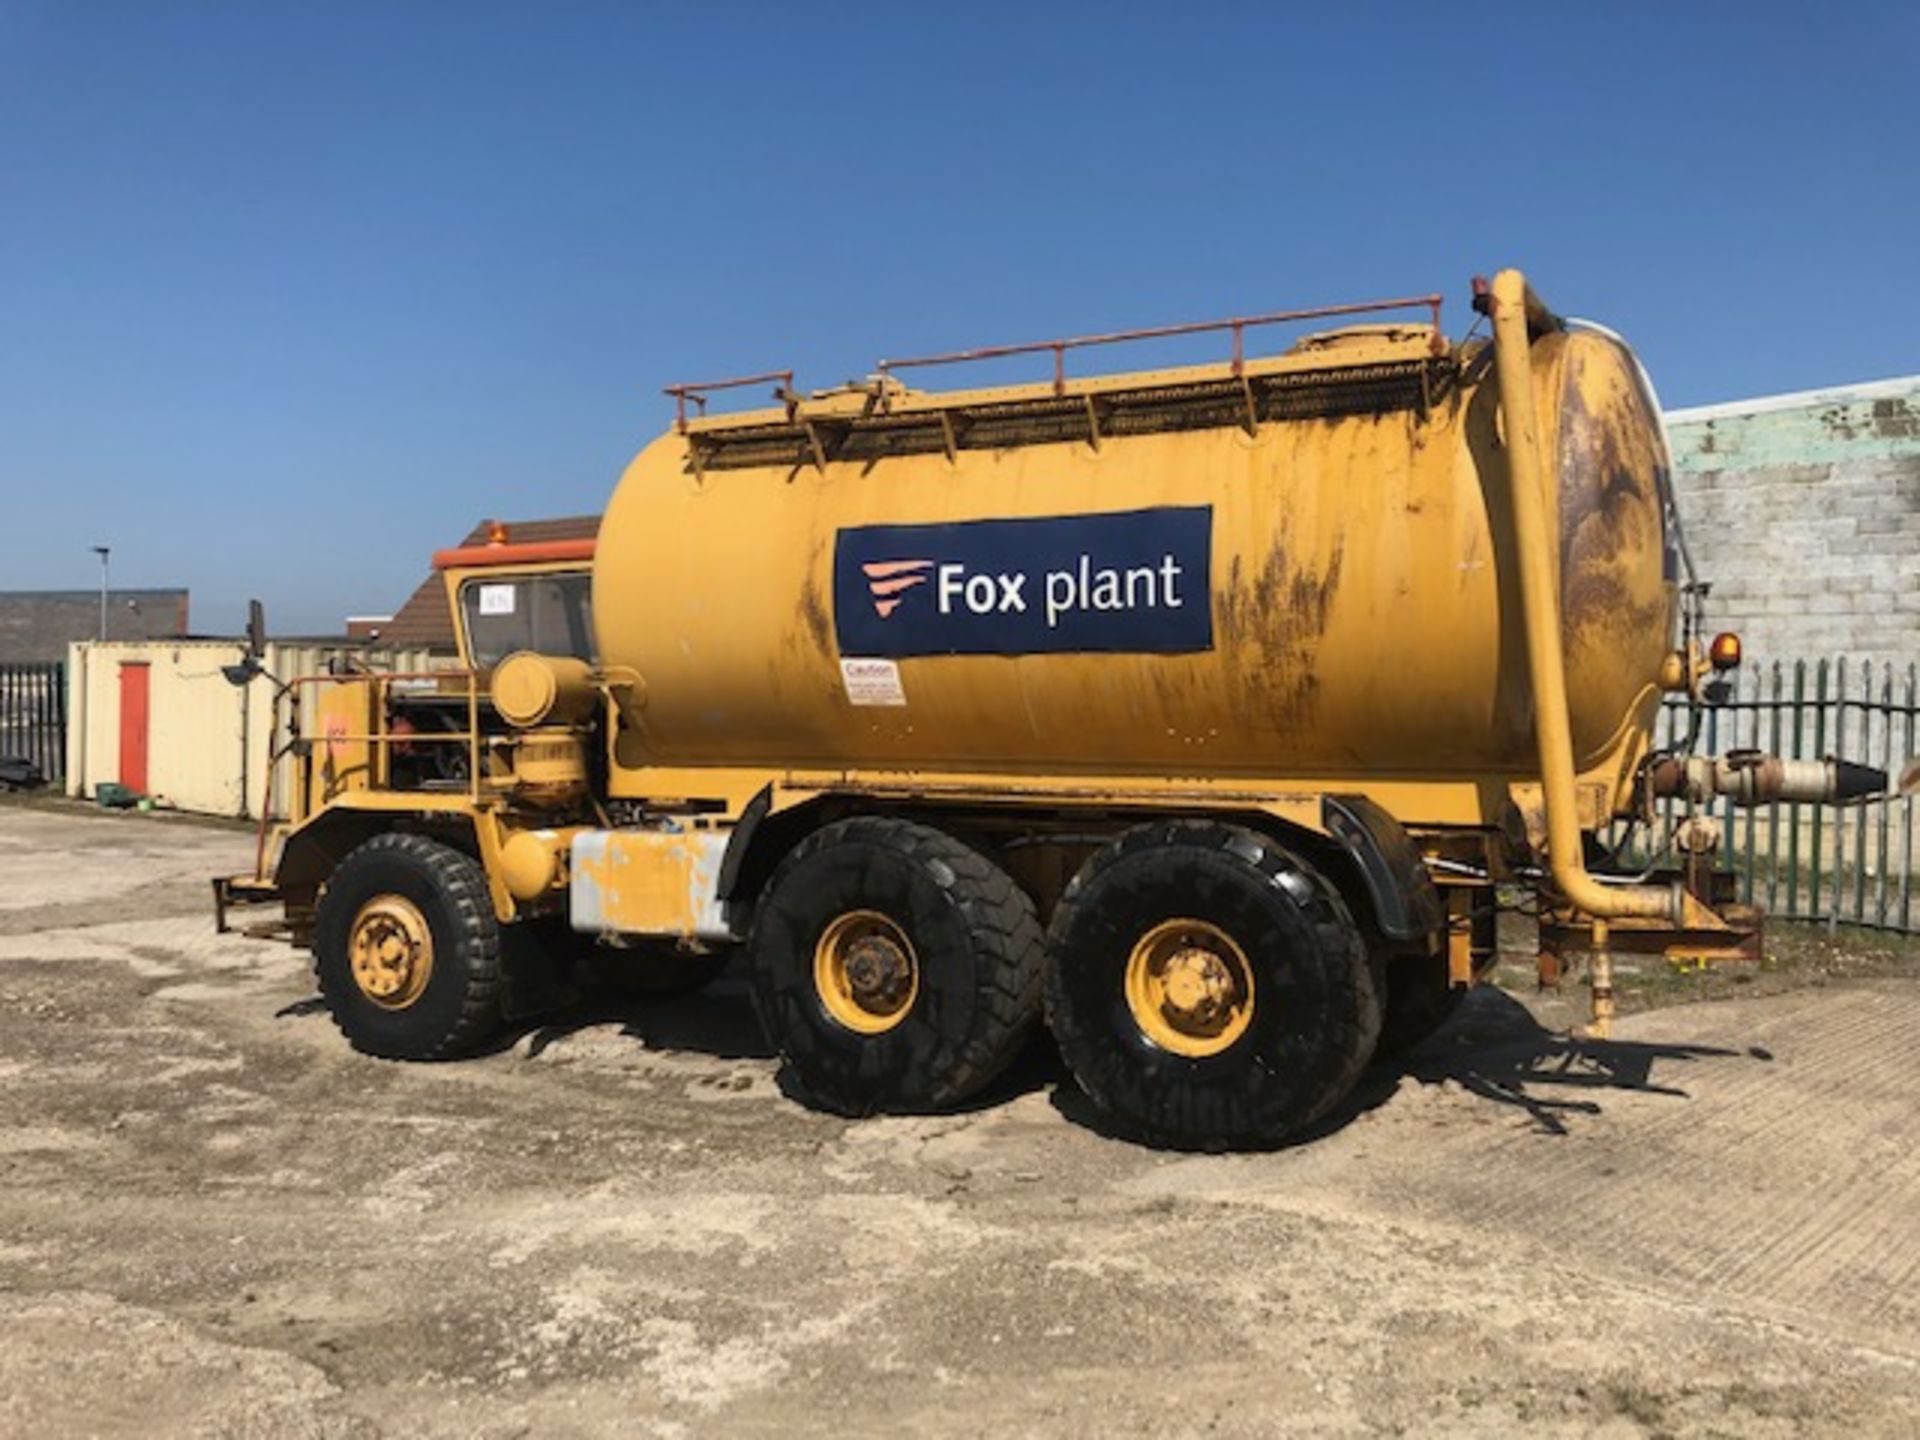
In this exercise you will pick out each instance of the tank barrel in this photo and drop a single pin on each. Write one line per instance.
(1224, 633)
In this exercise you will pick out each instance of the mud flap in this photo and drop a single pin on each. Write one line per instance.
(537, 961)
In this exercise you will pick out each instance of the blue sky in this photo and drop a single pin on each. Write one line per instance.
(292, 294)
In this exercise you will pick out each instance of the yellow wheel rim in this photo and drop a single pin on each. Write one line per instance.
(390, 950)
(866, 972)
(1190, 988)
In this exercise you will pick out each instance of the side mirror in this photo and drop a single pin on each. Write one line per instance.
(256, 630)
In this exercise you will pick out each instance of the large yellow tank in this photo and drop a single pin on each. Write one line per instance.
(1362, 613)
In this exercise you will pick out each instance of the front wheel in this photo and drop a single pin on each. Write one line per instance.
(406, 949)
(1207, 988)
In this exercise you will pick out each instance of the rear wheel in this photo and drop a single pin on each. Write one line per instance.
(893, 967)
(1207, 987)
(407, 949)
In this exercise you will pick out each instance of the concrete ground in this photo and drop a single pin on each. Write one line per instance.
(215, 1219)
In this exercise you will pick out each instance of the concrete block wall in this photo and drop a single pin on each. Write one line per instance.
(1804, 511)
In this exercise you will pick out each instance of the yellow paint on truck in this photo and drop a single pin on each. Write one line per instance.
(1218, 702)
(1363, 633)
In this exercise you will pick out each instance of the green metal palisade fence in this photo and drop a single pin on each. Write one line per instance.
(33, 716)
(1843, 864)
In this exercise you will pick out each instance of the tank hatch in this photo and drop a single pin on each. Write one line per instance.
(1355, 337)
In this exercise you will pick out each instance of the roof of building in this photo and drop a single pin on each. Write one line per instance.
(1850, 425)
(424, 620)
(1870, 390)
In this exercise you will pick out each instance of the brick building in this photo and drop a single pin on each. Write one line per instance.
(38, 625)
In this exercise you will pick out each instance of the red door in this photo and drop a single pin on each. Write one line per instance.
(133, 726)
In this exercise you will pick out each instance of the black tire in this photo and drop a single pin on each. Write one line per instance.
(979, 949)
(459, 1005)
(1315, 1006)
(1421, 997)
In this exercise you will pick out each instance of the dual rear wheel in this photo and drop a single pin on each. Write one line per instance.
(1204, 985)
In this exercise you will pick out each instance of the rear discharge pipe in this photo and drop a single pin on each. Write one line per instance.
(1748, 777)
(1513, 305)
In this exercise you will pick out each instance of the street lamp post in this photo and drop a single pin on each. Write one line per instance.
(102, 552)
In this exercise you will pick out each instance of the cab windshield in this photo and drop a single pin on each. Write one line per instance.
(552, 614)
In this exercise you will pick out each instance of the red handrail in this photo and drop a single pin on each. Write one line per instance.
(696, 391)
(1238, 325)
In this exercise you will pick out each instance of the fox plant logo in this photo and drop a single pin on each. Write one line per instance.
(890, 580)
(1134, 580)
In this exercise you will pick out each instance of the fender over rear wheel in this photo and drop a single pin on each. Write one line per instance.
(1207, 987)
(893, 967)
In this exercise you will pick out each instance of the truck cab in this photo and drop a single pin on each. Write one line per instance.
(502, 598)
(379, 748)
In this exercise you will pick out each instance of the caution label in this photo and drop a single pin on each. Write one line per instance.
(871, 681)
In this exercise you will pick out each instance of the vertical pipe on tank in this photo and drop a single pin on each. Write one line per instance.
(1540, 605)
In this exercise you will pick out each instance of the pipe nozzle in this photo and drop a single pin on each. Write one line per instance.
(1747, 777)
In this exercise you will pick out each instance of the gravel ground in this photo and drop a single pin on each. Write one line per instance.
(215, 1219)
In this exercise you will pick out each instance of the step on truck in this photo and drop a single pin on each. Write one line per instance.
(1200, 714)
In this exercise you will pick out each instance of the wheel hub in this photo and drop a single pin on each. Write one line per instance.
(878, 973)
(1199, 988)
(865, 972)
(390, 951)
(1190, 988)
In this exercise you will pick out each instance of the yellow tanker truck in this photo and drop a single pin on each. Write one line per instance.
(1197, 712)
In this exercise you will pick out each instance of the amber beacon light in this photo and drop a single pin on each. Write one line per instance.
(1724, 652)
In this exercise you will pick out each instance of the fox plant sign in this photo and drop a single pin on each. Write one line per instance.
(1120, 581)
